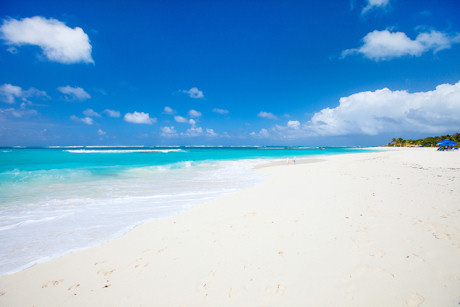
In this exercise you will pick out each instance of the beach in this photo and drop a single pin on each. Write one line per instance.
(363, 229)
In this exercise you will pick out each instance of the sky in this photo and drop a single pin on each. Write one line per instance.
(163, 73)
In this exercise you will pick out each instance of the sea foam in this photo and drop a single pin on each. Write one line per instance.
(72, 215)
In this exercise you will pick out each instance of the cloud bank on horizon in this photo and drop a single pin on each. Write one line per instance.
(380, 111)
(384, 110)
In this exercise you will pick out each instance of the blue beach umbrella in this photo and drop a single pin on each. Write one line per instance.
(446, 143)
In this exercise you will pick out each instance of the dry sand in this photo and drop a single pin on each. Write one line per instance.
(373, 229)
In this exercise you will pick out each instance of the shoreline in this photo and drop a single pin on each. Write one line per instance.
(276, 243)
(250, 165)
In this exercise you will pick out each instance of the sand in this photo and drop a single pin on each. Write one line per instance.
(372, 229)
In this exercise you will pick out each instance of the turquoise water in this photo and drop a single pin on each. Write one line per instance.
(55, 200)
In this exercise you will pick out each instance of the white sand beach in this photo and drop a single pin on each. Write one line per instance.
(365, 229)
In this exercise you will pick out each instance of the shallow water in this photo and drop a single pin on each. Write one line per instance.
(55, 200)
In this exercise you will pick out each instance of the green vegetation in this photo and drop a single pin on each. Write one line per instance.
(426, 142)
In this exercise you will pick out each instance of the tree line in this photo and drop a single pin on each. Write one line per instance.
(426, 142)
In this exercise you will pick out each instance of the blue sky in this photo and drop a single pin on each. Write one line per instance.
(228, 72)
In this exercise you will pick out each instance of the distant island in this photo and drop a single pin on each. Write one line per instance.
(426, 142)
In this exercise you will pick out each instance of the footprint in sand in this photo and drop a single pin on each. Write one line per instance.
(232, 292)
(380, 253)
(140, 265)
(250, 214)
(281, 253)
(105, 272)
(363, 229)
(52, 283)
(74, 287)
(441, 235)
(278, 289)
(2, 293)
(101, 262)
(415, 300)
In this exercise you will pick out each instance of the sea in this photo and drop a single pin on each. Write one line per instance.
(56, 200)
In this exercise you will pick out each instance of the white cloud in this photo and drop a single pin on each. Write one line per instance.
(112, 113)
(293, 124)
(9, 93)
(139, 118)
(194, 92)
(86, 120)
(372, 4)
(194, 131)
(220, 111)
(210, 132)
(168, 110)
(101, 132)
(180, 119)
(384, 110)
(385, 45)
(191, 121)
(91, 113)
(74, 93)
(168, 131)
(18, 113)
(59, 43)
(194, 113)
(199, 131)
(263, 133)
(267, 115)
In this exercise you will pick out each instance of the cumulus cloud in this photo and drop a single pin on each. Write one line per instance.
(91, 113)
(263, 133)
(180, 119)
(112, 113)
(168, 110)
(58, 42)
(85, 120)
(74, 93)
(294, 124)
(372, 4)
(168, 131)
(139, 118)
(101, 132)
(210, 132)
(384, 110)
(385, 45)
(194, 92)
(267, 115)
(194, 131)
(199, 131)
(10, 93)
(220, 111)
(191, 121)
(194, 113)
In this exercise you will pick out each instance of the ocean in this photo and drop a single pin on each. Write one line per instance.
(56, 200)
